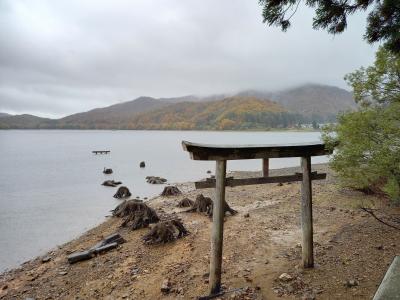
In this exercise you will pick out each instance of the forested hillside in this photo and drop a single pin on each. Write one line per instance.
(246, 110)
(227, 114)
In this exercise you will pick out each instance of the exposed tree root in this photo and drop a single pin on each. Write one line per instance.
(369, 210)
(165, 232)
(123, 192)
(205, 205)
(227, 208)
(185, 202)
(136, 214)
(171, 191)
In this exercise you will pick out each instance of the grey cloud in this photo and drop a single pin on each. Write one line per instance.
(60, 57)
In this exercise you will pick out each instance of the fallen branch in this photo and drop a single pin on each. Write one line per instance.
(369, 210)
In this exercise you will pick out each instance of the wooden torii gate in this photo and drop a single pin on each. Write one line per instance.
(222, 153)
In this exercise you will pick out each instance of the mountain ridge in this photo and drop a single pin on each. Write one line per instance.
(310, 102)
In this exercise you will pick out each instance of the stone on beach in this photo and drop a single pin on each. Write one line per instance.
(166, 286)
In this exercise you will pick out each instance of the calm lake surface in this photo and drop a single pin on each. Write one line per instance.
(50, 182)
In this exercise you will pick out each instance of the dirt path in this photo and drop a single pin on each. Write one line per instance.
(260, 243)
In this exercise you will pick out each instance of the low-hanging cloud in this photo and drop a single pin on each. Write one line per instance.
(61, 57)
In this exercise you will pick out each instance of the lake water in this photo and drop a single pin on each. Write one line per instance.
(50, 182)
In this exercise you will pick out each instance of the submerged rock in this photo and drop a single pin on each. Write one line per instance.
(107, 171)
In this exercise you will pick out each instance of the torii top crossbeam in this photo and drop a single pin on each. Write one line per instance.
(234, 152)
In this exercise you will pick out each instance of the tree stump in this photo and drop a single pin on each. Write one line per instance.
(171, 191)
(136, 214)
(185, 202)
(165, 232)
(123, 192)
(205, 205)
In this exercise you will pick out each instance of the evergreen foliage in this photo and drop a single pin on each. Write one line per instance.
(367, 155)
(383, 22)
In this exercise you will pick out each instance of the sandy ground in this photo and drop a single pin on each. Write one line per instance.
(261, 242)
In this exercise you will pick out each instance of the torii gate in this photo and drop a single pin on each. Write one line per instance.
(222, 153)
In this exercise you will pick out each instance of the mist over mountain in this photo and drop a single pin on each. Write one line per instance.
(247, 109)
(310, 99)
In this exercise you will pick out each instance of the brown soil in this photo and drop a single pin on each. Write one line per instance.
(260, 243)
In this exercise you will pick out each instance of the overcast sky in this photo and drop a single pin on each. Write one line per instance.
(66, 56)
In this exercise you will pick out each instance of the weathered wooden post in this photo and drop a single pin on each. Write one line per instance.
(306, 214)
(265, 165)
(217, 228)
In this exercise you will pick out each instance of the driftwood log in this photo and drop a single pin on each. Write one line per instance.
(185, 202)
(205, 205)
(171, 191)
(123, 192)
(111, 183)
(136, 214)
(165, 232)
(107, 244)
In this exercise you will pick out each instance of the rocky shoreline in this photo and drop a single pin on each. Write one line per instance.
(261, 257)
